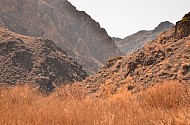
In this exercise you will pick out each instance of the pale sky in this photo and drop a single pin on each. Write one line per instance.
(121, 18)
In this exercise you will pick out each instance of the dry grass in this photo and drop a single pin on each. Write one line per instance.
(164, 104)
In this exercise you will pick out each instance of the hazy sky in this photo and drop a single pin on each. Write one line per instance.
(124, 17)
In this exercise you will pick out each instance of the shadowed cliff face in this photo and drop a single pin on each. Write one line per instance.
(34, 60)
(136, 41)
(72, 30)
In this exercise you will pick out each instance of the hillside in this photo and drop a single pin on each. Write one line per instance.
(72, 30)
(148, 87)
(137, 40)
(35, 61)
(164, 59)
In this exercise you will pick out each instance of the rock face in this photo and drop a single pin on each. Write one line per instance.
(58, 20)
(182, 28)
(136, 41)
(35, 60)
(165, 58)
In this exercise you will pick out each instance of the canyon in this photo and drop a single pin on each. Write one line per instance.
(58, 20)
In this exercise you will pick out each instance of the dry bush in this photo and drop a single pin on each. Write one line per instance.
(164, 104)
(70, 91)
(167, 103)
(167, 95)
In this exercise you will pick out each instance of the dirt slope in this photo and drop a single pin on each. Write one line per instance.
(165, 58)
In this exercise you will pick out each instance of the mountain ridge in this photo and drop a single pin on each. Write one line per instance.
(137, 40)
(164, 59)
(72, 30)
(36, 61)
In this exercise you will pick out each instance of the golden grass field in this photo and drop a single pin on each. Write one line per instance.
(163, 104)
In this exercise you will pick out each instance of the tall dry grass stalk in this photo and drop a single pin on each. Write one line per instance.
(164, 104)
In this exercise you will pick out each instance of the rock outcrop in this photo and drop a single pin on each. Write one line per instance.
(33, 60)
(167, 58)
(136, 41)
(182, 28)
(58, 20)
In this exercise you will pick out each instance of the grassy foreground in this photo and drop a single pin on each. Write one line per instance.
(164, 104)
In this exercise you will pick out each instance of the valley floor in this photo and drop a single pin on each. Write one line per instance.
(163, 104)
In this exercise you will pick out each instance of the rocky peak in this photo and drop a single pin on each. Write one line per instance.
(35, 60)
(58, 20)
(137, 40)
(163, 26)
(182, 28)
(163, 59)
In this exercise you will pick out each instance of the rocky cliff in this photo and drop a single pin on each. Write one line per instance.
(35, 60)
(182, 28)
(167, 58)
(139, 39)
(58, 20)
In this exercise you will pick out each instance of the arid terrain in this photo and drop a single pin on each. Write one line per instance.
(165, 58)
(163, 104)
(72, 30)
(35, 61)
(138, 40)
(48, 49)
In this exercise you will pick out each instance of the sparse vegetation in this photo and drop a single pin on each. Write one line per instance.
(162, 104)
(185, 19)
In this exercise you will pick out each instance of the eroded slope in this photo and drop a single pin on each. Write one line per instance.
(35, 60)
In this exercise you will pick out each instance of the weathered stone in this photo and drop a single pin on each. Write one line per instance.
(38, 61)
(72, 30)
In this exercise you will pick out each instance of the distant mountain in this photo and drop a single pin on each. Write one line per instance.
(72, 30)
(167, 58)
(35, 60)
(139, 39)
(115, 39)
